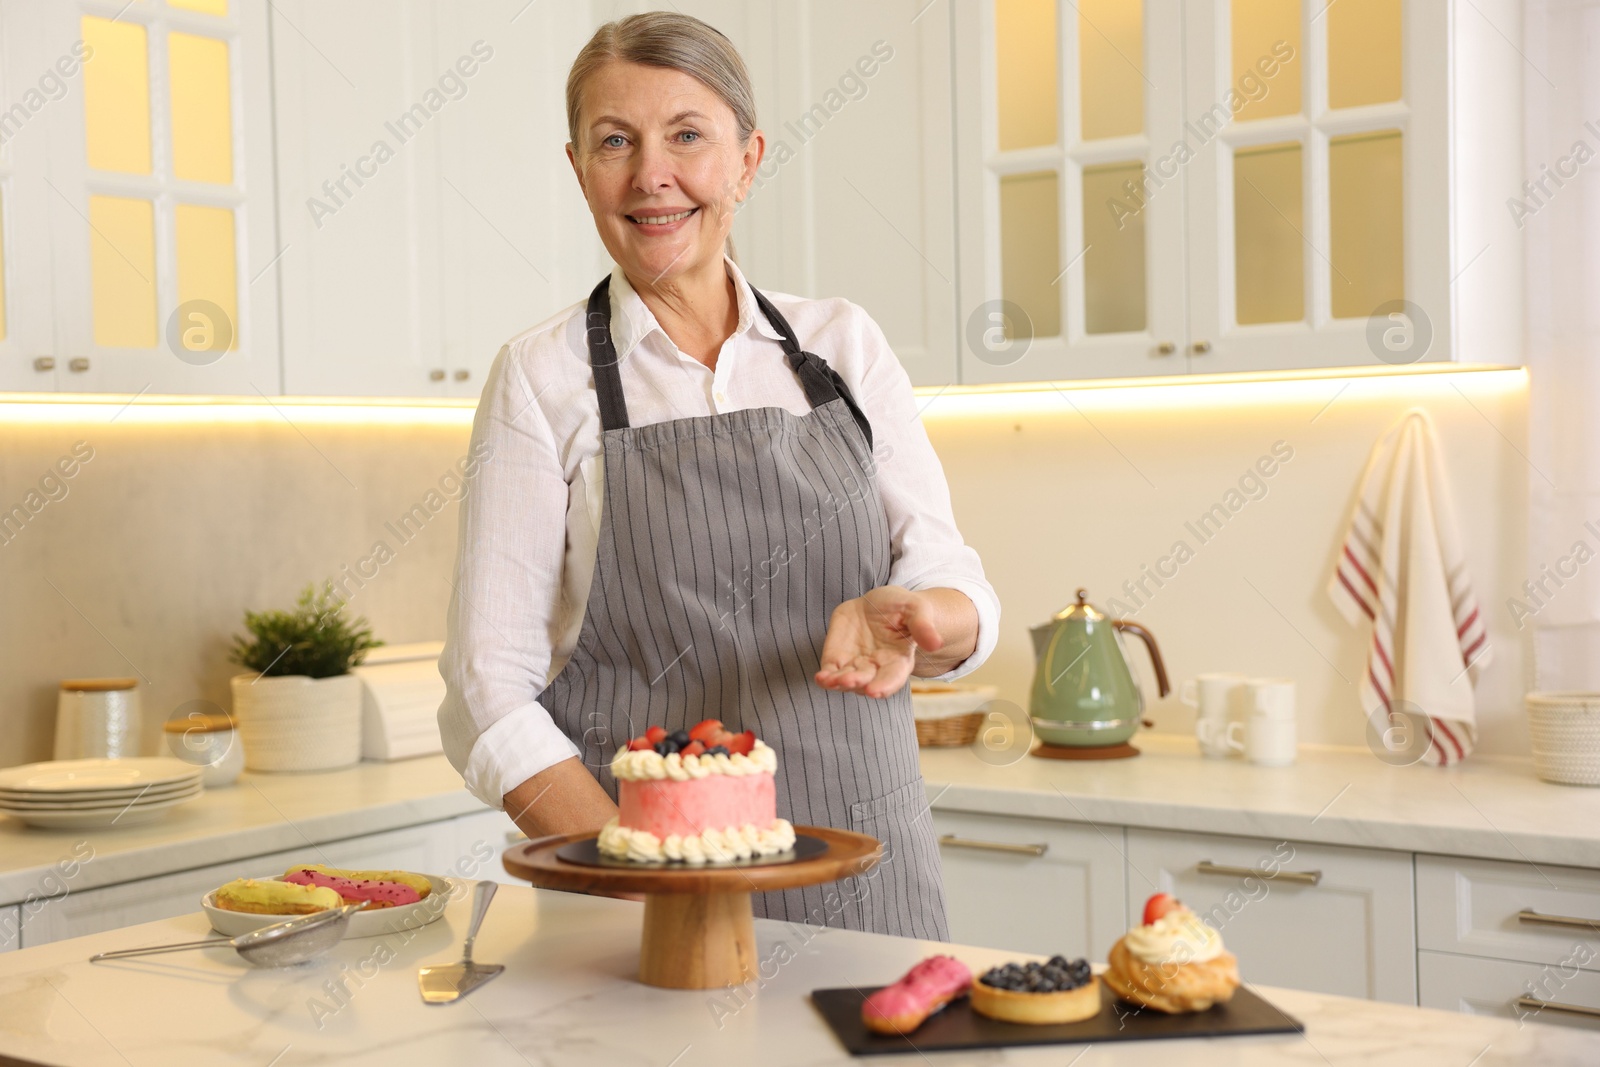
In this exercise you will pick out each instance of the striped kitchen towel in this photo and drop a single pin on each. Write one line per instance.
(1401, 566)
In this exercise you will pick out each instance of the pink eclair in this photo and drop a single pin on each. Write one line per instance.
(924, 990)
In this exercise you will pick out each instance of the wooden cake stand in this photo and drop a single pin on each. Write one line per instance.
(698, 929)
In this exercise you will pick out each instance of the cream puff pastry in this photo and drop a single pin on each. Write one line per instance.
(1173, 962)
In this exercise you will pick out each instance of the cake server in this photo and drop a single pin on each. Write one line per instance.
(447, 982)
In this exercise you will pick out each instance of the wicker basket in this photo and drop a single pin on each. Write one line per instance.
(957, 731)
(949, 714)
(1566, 737)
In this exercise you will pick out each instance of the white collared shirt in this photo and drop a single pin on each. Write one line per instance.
(530, 518)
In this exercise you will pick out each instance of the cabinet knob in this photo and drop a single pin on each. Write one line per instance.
(1166, 348)
(78, 364)
(44, 363)
(463, 374)
(1200, 348)
(436, 375)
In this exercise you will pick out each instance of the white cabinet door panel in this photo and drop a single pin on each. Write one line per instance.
(90, 911)
(425, 848)
(1068, 899)
(11, 928)
(1476, 907)
(358, 196)
(1565, 995)
(1352, 933)
(855, 196)
(479, 842)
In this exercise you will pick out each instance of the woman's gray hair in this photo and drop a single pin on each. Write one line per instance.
(674, 41)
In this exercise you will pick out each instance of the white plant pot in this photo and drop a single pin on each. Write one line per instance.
(296, 723)
(1565, 729)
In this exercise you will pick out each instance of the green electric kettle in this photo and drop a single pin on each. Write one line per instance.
(1084, 693)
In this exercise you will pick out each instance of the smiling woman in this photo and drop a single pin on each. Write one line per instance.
(689, 516)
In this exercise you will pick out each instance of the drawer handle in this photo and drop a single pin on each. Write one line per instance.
(1301, 877)
(993, 846)
(1534, 918)
(1535, 1004)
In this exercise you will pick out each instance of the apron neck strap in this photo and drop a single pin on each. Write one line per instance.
(821, 382)
(603, 358)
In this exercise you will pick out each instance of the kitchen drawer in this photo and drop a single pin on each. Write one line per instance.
(479, 840)
(1032, 885)
(1497, 987)
(426, 848)
(89, 911)
(1478, 908)
(1350, 933)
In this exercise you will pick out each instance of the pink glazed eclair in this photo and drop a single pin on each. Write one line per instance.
(925, 989)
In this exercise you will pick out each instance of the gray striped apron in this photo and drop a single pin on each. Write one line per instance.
(725, 543)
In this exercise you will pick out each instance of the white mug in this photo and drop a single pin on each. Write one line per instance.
(1270, 740)
(1216, 736)
(1272, 697)
(1212, 696)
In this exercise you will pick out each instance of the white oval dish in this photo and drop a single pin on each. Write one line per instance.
(362, 923)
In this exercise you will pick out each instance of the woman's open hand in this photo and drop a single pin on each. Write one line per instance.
(873, 640)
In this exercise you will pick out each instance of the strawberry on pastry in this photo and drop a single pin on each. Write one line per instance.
(1158, 905)
(925, 989)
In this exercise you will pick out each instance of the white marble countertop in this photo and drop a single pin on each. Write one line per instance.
(1492, 808)
(568, 996)
(1487, 807)
(260, 813)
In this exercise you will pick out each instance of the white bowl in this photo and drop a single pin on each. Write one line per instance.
(362, 923)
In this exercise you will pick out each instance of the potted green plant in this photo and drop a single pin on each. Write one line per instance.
(297, 704)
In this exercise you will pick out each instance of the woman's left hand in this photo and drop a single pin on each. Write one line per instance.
(873, 640)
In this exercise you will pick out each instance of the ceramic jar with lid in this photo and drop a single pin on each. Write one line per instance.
(206, 737)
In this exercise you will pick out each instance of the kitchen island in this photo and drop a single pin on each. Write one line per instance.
(568, 996)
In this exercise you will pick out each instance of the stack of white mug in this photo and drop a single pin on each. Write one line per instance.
(1265, 716)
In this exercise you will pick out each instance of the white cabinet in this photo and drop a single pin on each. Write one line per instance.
(464, 847)
(1331, 920)
(11, 928)
(138, 199)
(1032, 885)
(427, 211)
(1509, 939)
(1509, 911)
(1531, 992)
(855, 196)
(1174, 186)
(478, 842)
(89, 911)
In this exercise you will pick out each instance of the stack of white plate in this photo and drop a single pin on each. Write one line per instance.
(93, 794)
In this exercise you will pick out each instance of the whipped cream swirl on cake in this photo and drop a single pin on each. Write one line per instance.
(647, 765)
(1179, 936)
(711, 845)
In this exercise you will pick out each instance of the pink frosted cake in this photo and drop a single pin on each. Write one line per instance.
(695, 796)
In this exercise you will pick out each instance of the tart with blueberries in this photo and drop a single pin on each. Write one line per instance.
(1057, 991)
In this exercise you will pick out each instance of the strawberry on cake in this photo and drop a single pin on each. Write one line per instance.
(704, 794)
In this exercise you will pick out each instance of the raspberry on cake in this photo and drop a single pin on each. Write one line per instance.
(694, 796)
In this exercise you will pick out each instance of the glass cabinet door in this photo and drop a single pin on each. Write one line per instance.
(1318, 193)
(161, 199)
(1067, 110)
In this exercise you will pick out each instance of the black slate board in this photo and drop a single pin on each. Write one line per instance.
(586, 853)
(959, 1027)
